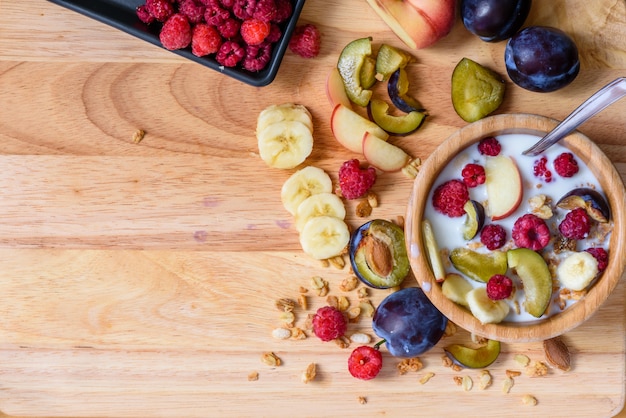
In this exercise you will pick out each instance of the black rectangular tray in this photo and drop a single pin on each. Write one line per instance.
(121, 14)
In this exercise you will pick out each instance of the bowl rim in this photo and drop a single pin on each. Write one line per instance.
(556, 324)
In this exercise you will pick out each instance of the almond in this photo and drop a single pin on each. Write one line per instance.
(557, 353)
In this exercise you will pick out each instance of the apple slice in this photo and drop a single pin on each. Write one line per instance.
(418, 23)
(335, 90)
(383, 155)
(348, 127)
(504, 186)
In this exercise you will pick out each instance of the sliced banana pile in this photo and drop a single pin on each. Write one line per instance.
(319, 214)
(285, 135)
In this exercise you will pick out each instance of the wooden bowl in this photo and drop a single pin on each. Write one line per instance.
(555, 324)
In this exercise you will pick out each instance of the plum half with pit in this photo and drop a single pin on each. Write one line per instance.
(541, 59)
(409, 323)
(378, 255)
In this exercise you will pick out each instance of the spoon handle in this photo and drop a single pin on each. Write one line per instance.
(606, 96)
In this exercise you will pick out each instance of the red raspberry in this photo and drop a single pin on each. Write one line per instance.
(144, 14)
(284, 9)
(473, 175)
(176, 32)
(193, 9)
(365, 362)
(228, 4)
(493, 236)
(306, 41)
(576, 224)
(230, 53)
(229, 28)
(489, 146)
(329, 323)
(355, 181)
(257, 56)
(244, 9)
(265, 10)
(449, 198)
(600, 255)
(565, 164)
(215, 15)
(160, 9)
(541, 170)
(205, 40)
(275, 34)
(254, 31)
(499, 287)
(530, 231)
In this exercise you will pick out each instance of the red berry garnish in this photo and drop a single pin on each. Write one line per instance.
(306, 41)
(600, 255)
(530, 231)
(192, 9)
(493, 236)
(144, 14)
(365, 362)
(576, 224)
(541, 170)
(265, 10)
(244, 9)
(254, 31)
(329, 323)
(449, 198)
(205, 40)
(566, 165)
(499, 287)
(489, 146)
(473, 175)
(160, 9)
(257, 56)
(230, 53)
(355, 181)
(176, 32)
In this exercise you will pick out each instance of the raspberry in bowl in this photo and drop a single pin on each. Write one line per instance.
(534, 249)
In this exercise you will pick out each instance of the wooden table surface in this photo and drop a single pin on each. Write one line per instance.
(139, 279)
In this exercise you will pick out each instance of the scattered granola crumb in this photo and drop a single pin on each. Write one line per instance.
(362, 400)
(302, 301)
(372, 199)
(349, 283)
(484, 379)
(288, 318)
(458, 380)
(446, 361)
(363, 209)
(281, 333)
(338, 262)
(467, 383)
(529, 400)
(522, 359)
(138, 135)
(538, 369)
(362, 293)
(450, 329)
(253, 376)
(271, 359)
(303, 289)
(424, 379)
(298, 334)
(320, 285)
(513, 373)
(285, 304)
(367, 309)
(360, 338)
(342, 342)
(410, 365)
(507, 384)
(325, 263)
(309, 373)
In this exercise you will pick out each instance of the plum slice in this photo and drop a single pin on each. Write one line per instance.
(378, 111)
(398, 88)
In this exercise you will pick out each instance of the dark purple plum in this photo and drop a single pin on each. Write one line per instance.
(494, 20)
(409, 323)
(541, 59)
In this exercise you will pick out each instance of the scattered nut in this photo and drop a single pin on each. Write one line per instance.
(271, 359)
(362, 400)
(557, 353)
(507, 384)
(349, 283)
(281, 333)
(467, 383)
(458, 380)
(446, 361)
(309, 373)
(372, 199)
(424, 379)
(410, 365)
(529, 400)
(363, 209)
(484, 379)
(360, 338)
(138, 135)
(253, 376)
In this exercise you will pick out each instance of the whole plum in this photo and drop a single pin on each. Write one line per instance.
(494, 20)
(409, 322)
(541, 59)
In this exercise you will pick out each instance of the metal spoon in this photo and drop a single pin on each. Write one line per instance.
(606, 96)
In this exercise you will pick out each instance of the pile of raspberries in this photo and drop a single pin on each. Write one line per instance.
(235, 32)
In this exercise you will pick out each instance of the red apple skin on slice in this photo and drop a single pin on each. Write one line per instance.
(504, 186)
(418, 23)
(383, 155)
(348, 128)
(335, 90)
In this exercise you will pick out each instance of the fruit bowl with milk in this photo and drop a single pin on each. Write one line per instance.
(513, 247)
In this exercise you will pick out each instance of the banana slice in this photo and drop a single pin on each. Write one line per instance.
(285, 144)
(323, 237)
(455, 287)
(577, 270)
(322, 204)
(284, 112)
(303, 183)
(487, 311)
